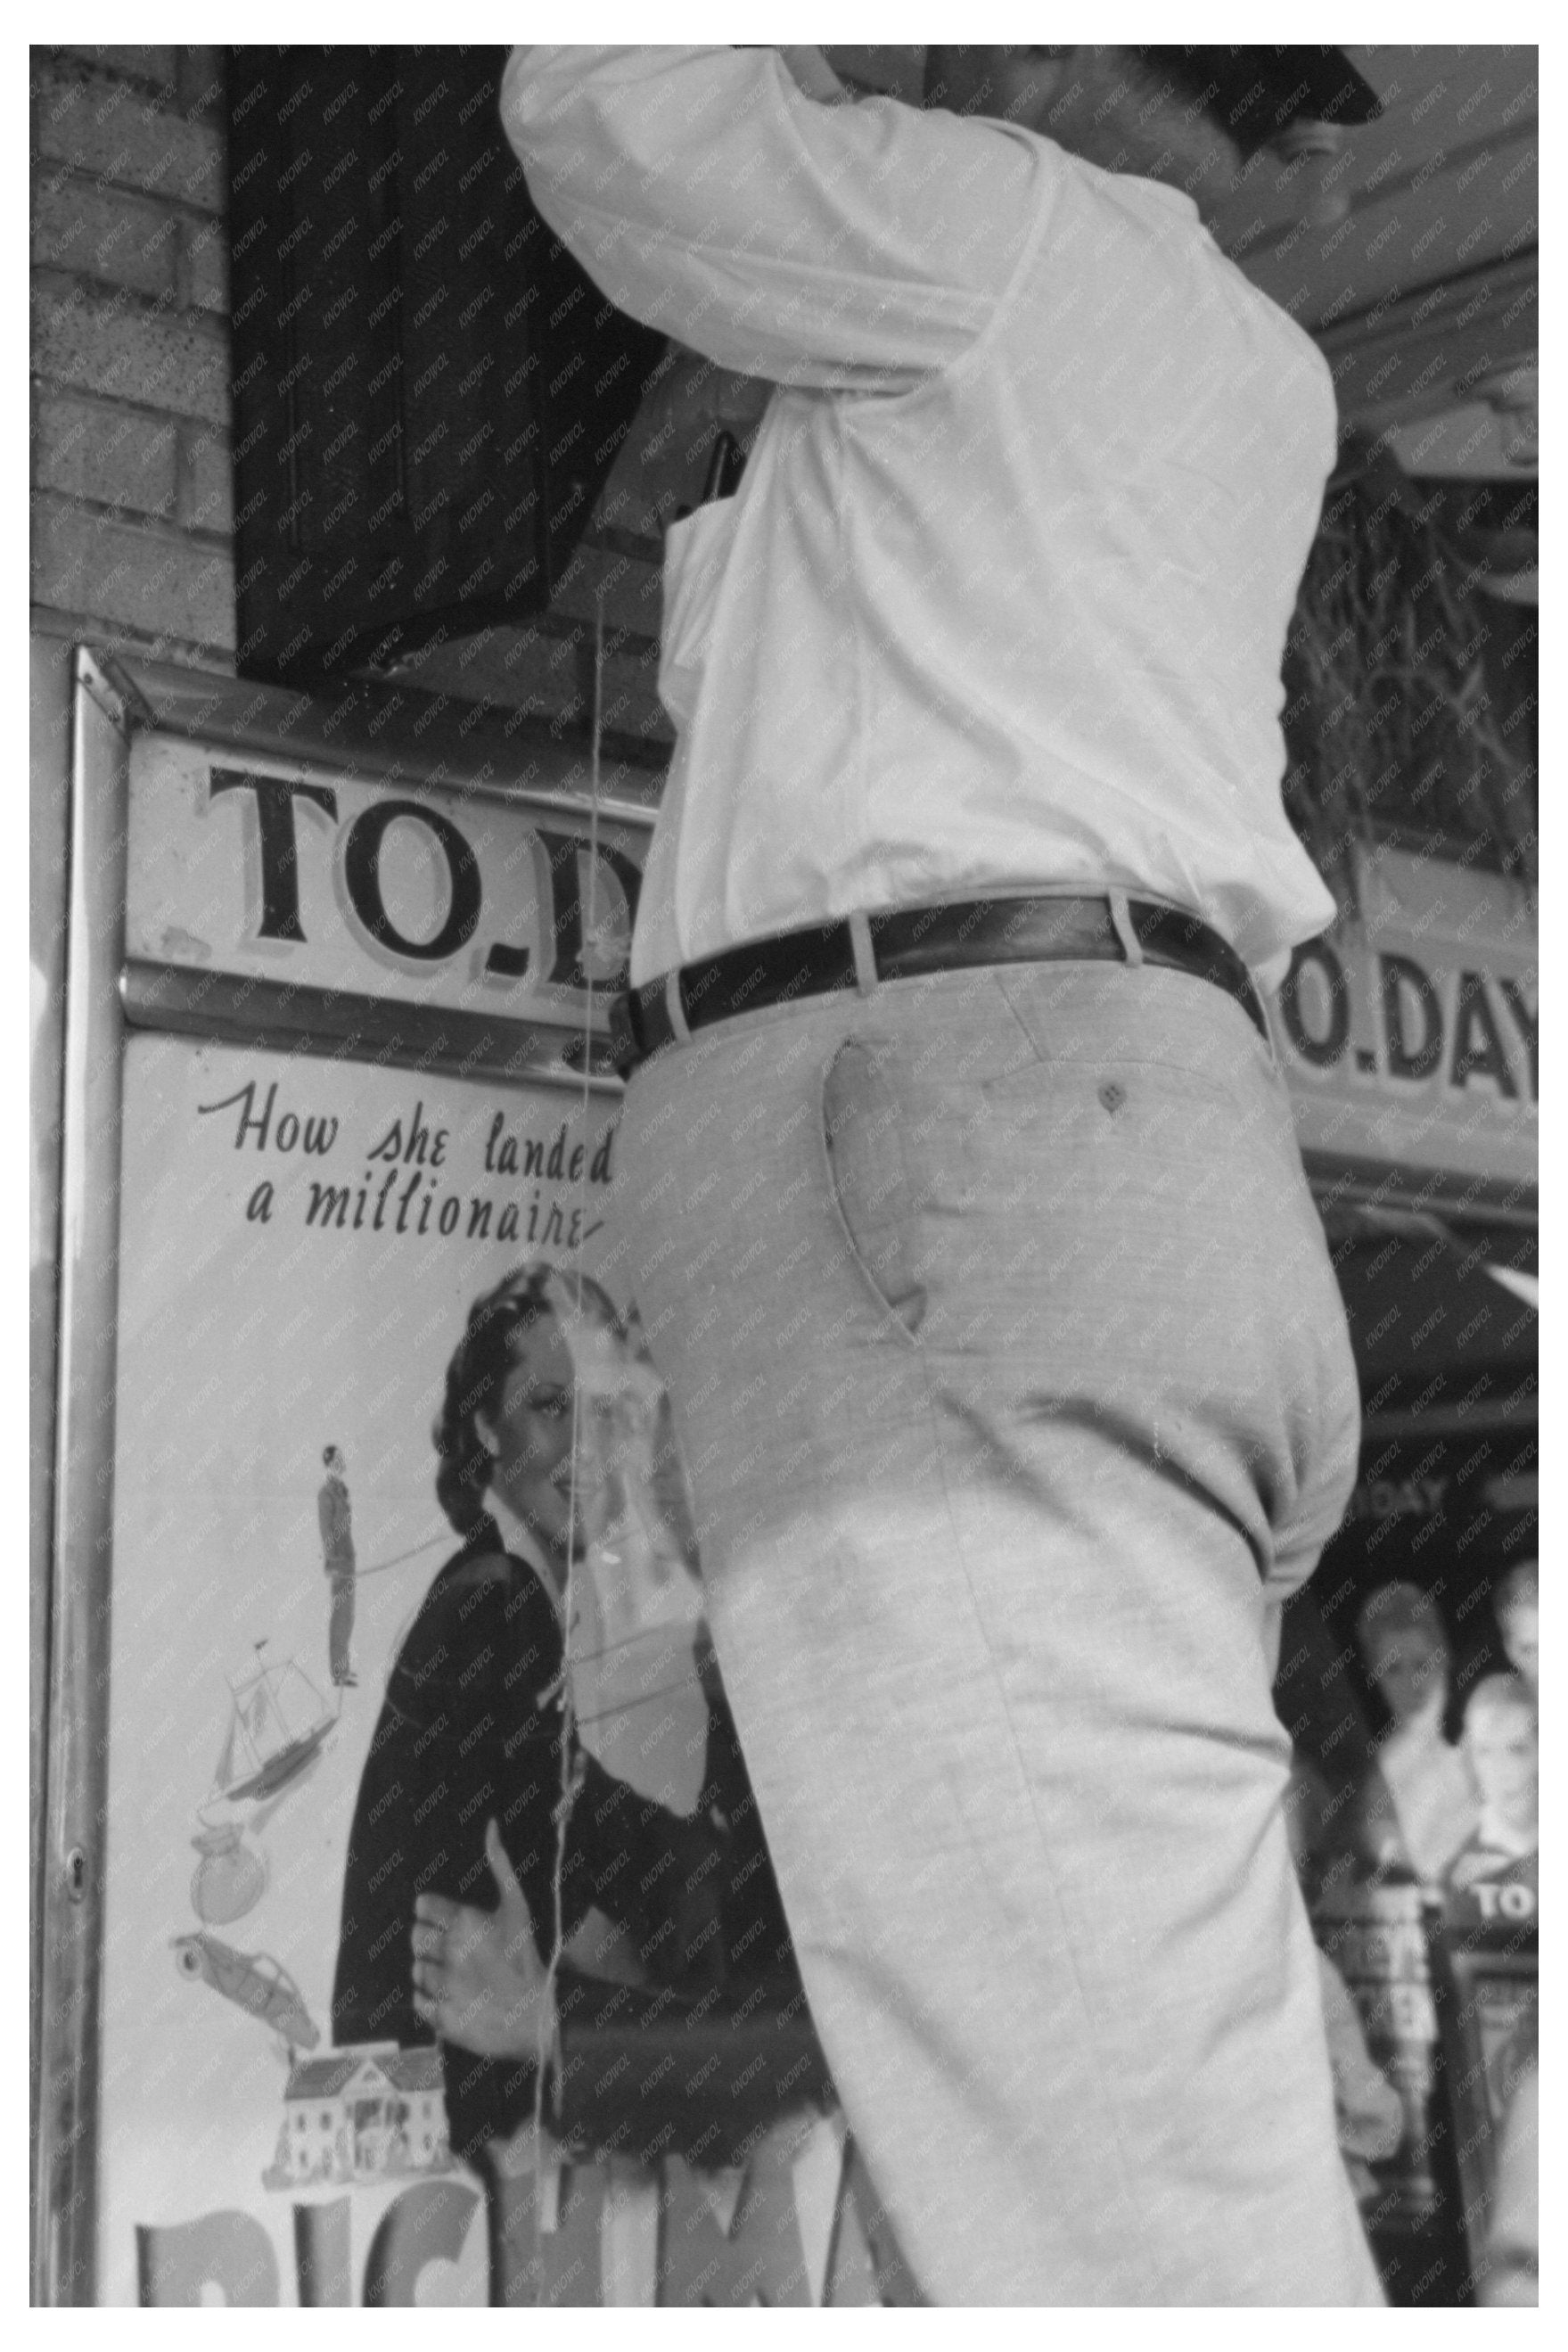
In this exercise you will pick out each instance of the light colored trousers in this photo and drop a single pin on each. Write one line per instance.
(1014, 1391)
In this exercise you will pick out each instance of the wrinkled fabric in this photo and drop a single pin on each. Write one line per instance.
(1002, 599)
(1015, 1395)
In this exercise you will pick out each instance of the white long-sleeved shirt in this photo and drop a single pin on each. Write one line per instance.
(1002, 599)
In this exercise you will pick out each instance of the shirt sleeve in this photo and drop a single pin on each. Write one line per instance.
(835, 247)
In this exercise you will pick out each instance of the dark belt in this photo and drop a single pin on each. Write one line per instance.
(910, 943)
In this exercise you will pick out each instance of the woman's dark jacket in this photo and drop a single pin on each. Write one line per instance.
(471, 1730)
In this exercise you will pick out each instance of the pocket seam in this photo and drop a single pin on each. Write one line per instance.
(1263, 1047)
(1205, 1080)
(888, 1313)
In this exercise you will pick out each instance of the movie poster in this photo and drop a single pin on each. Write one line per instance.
(301, 1241)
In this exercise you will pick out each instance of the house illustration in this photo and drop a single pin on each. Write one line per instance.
(361, 2114)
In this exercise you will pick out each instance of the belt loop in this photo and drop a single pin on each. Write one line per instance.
(675, 1008)
(1269, 1046)
(866, 957)
(1121, 917)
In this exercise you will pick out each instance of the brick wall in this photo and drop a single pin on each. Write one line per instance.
(132, 512)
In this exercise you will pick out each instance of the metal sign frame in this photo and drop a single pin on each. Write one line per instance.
(469, 750)
(407, 741)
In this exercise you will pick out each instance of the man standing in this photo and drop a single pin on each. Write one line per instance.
(958, 1186)
(335, 1519)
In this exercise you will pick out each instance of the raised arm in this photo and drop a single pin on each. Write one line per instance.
(837, 246)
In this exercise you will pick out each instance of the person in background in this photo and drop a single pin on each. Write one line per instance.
(1499, 1744)
(1418, 1803)
(1369, 2115)
(1516, 1604)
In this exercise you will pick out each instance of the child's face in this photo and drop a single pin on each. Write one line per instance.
(1408, 1667)
(1502, 1756)
(1521, 1640)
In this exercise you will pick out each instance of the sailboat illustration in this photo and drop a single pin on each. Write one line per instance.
(277, 1721)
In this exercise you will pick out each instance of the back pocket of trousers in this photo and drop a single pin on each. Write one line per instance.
(868, 1187)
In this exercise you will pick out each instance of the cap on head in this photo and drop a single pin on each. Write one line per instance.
(1259, 93)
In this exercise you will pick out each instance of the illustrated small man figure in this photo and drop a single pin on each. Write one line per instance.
(338, 1558)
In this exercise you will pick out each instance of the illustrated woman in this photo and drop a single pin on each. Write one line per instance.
(472, 1730)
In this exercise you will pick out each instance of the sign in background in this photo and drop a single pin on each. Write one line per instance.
(299, 873)
(1410, 1036)
(300, 1242)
